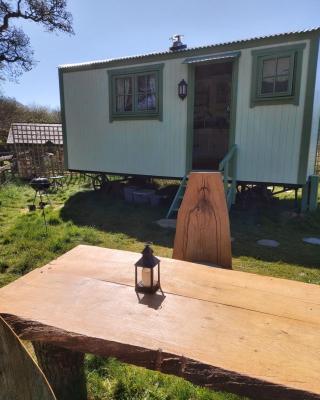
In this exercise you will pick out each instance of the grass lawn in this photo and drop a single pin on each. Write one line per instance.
(80, 215)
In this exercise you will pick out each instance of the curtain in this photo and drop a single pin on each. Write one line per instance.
(152, 93)
(124, 94)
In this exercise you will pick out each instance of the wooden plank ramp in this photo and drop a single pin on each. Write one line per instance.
(203, 228)
(228, 330)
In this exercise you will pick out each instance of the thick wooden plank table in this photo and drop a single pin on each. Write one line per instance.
(224, 329)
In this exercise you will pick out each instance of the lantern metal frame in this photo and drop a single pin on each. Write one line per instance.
(182, 89)
(148, 260)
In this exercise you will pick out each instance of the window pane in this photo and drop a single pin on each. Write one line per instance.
(124, 94)
(267, 86)
(269, 67)
(152, 83)
(282, 84)
(283, 66)
(123, 86)
(124, 103)
(152, 102)
(147, 83)
(146, 102)
(128, 103)
(120, 103)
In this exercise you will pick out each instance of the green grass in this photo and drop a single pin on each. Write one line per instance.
(112, 380)
(80, 215)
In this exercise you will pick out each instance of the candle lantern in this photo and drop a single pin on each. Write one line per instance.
(182, 89)
(147, 272)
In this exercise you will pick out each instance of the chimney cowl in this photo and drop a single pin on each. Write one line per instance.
(177, 43)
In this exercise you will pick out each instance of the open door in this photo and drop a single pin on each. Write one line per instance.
(211, 119)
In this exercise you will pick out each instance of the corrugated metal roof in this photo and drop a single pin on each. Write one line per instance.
(24, 133)
(185, 52)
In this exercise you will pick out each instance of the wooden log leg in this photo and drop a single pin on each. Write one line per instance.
(64, 370)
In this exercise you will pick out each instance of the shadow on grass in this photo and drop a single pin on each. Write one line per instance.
(113, 215)
(276, 220)
(279, 221)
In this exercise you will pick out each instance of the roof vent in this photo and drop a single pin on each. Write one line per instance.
(176, 43)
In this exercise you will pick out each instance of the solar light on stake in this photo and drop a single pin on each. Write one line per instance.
(147, 272)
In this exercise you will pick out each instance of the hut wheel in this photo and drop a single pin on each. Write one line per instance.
(100, 182)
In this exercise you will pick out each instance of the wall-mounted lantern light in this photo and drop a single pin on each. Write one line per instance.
(182, 89)
(147, 272)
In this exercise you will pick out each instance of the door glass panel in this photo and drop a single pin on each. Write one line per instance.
(211, 120)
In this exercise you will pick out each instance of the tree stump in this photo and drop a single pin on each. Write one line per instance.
(20, 377)
(64, 370)
(203, 229)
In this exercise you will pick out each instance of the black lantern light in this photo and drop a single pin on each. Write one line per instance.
(147, 272)
(182, 89)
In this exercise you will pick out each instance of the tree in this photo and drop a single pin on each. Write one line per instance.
(12, 111)
(16, 54)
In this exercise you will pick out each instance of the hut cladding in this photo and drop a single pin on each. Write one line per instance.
(257, 98)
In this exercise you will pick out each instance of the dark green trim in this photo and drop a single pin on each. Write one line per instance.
(234, 98)
(233, 114)
(133, 72)
(237, 45)
(305, 198)
(308, 111)
(223, 57)
(313, 194)
(258, 56)
(63, 119)
(190, 112)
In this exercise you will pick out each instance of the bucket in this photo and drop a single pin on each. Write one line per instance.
(128, 193)
(155, 200)
(143, 196)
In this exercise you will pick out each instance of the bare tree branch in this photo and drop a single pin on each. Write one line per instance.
(16, 55)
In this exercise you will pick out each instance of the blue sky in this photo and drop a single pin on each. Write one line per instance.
(114, 28)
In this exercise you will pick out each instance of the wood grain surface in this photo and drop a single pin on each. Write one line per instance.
(249, 334)
(20, 377)
(203, 229)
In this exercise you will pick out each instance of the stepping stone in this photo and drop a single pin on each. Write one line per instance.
(312, 240)
(268, 243)
(167, 223)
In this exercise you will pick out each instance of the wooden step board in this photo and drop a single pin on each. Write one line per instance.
(176, 203)
(20, 377)
(203, 228)
(177, 200)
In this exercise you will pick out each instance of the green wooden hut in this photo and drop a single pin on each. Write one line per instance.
(250, 108)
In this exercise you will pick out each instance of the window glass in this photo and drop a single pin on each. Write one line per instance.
(282, 84)
(275, 76)
(269, 67)
(135, 92)
(267, 85)
(146, 92)
(283, 65)
(124, 94)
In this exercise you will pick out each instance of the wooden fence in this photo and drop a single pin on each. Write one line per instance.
(5, 167)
